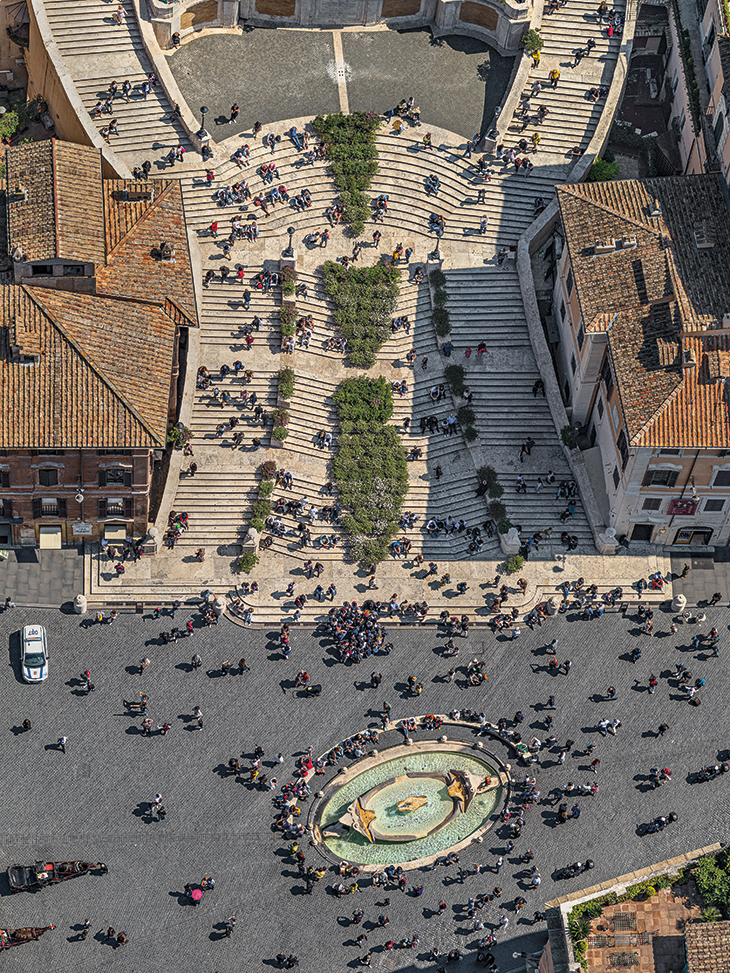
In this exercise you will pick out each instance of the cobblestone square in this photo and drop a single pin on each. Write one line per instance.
(91, 803)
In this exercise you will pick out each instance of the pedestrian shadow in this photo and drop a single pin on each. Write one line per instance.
(134, 730)
(219, 932)
(142, 811)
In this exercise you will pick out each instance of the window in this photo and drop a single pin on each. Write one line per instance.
(722, 478)
(73, 270)
(573, 364)
(7, 509)
(669, 452)
(116, 476)
(48, 507)
(723, 452)
(682, 120)
(616, 477)
(569, 282)
(654, 477)
(114, 452)
(4, 478)
(652, 503)
(562, 310)
(47, 452)
(48, 477)
(623, 448)
(600, 408)
(116, 507)
(42, 270)
(714, 506)
(607, 376)
(581, 337)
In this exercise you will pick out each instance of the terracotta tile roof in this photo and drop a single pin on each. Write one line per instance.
(708, 947)
(133, 271)
(661, 294)
(102, 378)
(64, 401)
(54, 203)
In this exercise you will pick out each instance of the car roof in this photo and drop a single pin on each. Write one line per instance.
(33, 633)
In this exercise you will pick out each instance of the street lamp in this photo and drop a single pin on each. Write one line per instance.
(289, 251)
(437, 253)
(202, 134)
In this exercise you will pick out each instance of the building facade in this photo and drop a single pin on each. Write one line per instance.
(642, 303)
(714, 34)
(94, 326)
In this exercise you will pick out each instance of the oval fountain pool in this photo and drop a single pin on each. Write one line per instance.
(409, 807)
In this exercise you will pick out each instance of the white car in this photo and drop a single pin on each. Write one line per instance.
(34, 653)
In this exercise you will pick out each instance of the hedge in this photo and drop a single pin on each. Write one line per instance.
(441, 320)
(352, 156)
(363, 398)
(372, 478)
(286, 382)
(455, 377)
(247, 562)
(268, 470)
(280, 417)
(266, 488)
(288, 317)
(280, 433)
(365, 299)
(288, 281)
(437, 278)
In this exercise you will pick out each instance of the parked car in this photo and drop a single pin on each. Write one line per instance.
(34, 653)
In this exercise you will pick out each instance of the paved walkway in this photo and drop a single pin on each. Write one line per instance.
(457, 81)
(91, 802)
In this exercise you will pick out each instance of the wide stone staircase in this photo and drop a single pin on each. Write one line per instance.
(97, 51)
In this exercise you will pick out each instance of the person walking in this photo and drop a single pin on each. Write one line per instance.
(595, 764)
(62, 741)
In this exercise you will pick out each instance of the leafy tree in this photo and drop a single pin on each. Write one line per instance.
(602, 170)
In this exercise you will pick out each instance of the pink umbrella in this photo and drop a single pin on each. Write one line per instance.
(197, 895)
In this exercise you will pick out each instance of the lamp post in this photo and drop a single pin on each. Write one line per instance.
(202, 134)
(289, 251)
(437, 252)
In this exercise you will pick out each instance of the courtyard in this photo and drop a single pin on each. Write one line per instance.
(92, 802)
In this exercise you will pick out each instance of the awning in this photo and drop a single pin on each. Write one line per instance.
(19, 12)
(115, 532)
(50, 538)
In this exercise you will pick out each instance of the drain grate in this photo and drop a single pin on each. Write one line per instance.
(622, 921)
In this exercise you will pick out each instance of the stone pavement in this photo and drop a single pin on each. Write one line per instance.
(44, 578)
(457, 81)
(91, 802)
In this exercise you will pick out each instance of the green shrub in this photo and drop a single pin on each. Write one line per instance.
(569, 435)
(512, 565)
(372, 479)
(261, 509)
(288, 318)
(712, 878)
(602, 170)
(470, 434)
(280, 433)
(437, 278)
(365, 299)
(369, 399)
(266, 488)
(443, 328)
(487, 474)
(258, 524)
(533, 41)
(268, 470)
(288, 281)
(497, 511)
(280, 417)
(503, 526)
(495, 491)
(440, 315)
(247, 562)
(711, 914)
(440, 298)
(352, 157)
(455, 377)
(286, 382)
(466, 415)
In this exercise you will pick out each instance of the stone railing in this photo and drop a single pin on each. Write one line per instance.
(500, 22)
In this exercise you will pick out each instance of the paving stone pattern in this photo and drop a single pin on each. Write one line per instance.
(90, 802)
(271, 74)
(457, 81)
